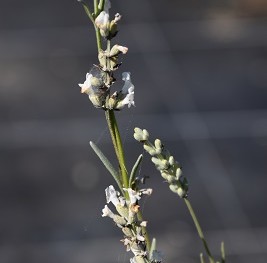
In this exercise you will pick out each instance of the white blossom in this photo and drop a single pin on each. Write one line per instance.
(117, 49)
(140, 238)
(102, 20)
(147, 191)
(122, 49)
(87, 85)
(127, 91)
(111, 195)
(107, 212)
(117, 18)
(133, 195)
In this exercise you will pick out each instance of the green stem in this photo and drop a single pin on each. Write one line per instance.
(95, 7)
(199, 230)
(116, 139)
(98, 38)
(110, 122)
(101, 5)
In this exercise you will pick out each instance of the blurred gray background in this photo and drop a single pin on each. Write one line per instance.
(200, 73)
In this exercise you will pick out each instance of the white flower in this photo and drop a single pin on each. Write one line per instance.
(147, 191)
(143, 223)
(111, 195)
(126, 76)
(127, 91)
(122, 49)
(117, 49)
(102, 20)
(134, 196)
(117, 18)
(141, 135)
(140, 238)
(107, 212)
(129, 99)
(87, 85)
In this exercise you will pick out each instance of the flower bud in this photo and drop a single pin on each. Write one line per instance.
(170, 179)
(171, 160)
(158, 144)
(178, 173)
(122, 210)
(160, 164)
(164, 175)
(119, 220)
(181, 192)
(138, 259)
(127, 232)
(141, 135)
(113, 26)
(173, 188)
(150, 149)
(102, 22)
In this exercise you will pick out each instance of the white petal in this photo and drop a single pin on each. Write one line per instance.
(102, 20)
(126, 76)
(134, 196)
(85, 87)
(107, 212)
(111, 195)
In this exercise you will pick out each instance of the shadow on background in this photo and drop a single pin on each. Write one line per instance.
(201, 85)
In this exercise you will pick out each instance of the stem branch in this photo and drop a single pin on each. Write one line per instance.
(199, 230)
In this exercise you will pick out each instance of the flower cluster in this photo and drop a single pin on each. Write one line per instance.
(170, 169)
(127, 220)
(99, 80)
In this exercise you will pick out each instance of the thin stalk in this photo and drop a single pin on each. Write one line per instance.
(92, 18)
(199, 230)
(116, 139)
(144, 232)
(115, 135)
(95, 7)
(112, 130)
(98, 38)
(124, 172)
(101, 5)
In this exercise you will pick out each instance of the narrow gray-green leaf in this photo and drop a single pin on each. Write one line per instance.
(153, 247)
(134, 169)
(107, 164)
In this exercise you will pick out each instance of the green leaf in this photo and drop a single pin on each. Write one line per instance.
(134, 169)
(107, 164)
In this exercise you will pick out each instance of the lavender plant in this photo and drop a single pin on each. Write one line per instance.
(126, 195)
